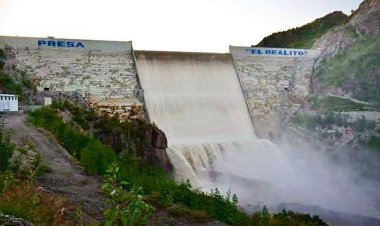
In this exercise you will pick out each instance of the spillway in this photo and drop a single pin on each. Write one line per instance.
(197, 100)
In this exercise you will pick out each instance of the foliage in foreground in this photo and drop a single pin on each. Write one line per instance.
(126, 208)
(30, 203)
(6, 149)
(160, 189)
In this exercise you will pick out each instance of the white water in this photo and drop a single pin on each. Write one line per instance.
(197, 100)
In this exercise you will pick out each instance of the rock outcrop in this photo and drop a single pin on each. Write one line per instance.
(334, 42)
(364, 22)
(367, 18)
(10, 220)
(155, 151)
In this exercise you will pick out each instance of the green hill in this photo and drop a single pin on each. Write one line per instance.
(305, 36)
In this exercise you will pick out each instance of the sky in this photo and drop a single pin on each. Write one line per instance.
(172, 25)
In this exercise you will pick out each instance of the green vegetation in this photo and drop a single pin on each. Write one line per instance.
(373, 143)
(335, 103)
(91, 153)
(2, 58)
(6, 149)
(12, 85)
(355, 71)
(20, 198)
(160, 189)
(126, 208)
(6, 82)
(305, 36)
(25, 201)
(2, 55)
(9, 85)
(328, 119)
(124, 136)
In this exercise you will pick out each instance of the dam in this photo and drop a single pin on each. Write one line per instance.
(214, 108)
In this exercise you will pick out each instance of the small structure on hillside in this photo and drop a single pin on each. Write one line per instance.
(8, 103)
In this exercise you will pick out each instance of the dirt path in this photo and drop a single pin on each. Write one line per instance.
(66, 176)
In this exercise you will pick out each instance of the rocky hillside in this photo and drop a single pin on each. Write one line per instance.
(364, 24)
(349, 65)
(305, 36)
(342, 113)
(349, 70)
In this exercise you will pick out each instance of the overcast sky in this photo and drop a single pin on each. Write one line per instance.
(181, 25)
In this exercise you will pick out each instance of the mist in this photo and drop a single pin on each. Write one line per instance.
(265, 174)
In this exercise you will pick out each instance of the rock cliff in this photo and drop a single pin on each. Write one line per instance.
(364, 22)
(155, 151)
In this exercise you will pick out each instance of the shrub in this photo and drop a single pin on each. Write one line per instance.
(96, 158)
(199, 216)
(6, 180)
(179, 210)
(9, 85)
(28, 202)
(126, 209)
(6, 150)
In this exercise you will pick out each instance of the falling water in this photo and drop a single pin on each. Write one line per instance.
(197, 100)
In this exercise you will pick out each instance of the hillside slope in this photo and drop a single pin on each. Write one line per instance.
(304, 36)
(65, 176)
(349, 65)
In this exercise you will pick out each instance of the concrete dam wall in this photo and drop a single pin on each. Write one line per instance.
(276, 82)
(103, 72)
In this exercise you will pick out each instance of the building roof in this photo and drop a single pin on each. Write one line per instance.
(7, 95)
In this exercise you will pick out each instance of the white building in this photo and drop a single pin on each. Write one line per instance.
(8, 103)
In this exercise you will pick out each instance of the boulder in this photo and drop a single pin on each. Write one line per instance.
(155, 151)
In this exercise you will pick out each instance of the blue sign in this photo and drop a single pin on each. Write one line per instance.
(277, 52)
(59, 44)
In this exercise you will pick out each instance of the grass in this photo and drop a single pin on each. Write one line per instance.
(30, 203)
(355, 71)
(338, 104)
